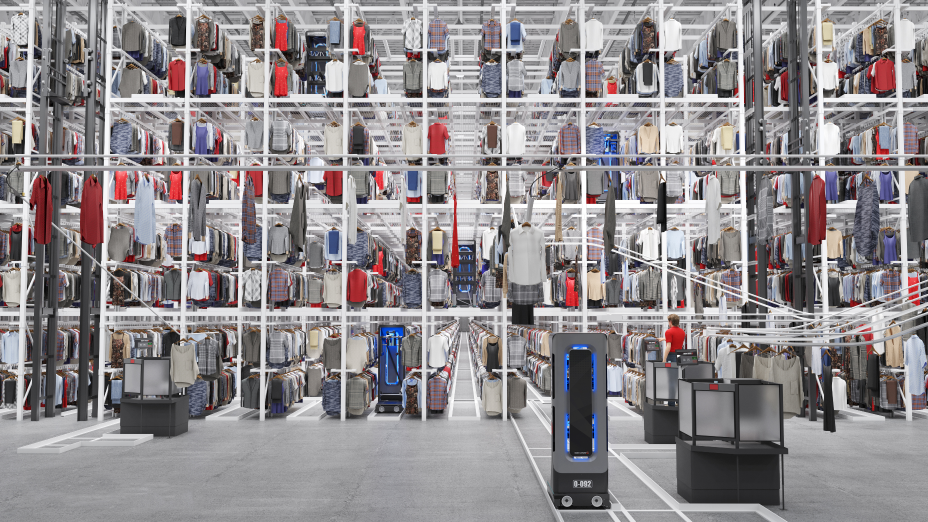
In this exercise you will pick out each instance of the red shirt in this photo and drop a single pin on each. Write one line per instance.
(676, 338)
(119, 190)
(333, 183)
(357, 286)
(883, 72)
(257, 177)
(438, 133)
(572, 299)
(176, 72)
(92, 212)
(42, 202)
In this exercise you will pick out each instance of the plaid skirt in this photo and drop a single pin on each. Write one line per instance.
(526, 294)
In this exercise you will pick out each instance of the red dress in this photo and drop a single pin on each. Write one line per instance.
(280, 80)
(119, 180)
(177, 186)
(280, 35)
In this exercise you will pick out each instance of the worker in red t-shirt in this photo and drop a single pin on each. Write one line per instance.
(674, 338)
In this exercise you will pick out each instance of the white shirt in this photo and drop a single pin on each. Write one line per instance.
(515, 144)
(649, 241)
(356, 353)
(316, 176)
(914, 357)
(673, 35)
(673, 139)
(829, 74)
(198, 285)
(335, 76)
(905, 37)
(438, 351)
(11, 288)
(830, 140)
(412, 32)
(438, 76)
(412, 139)
(486, 243)
(594, 35)
(726, 361)
(839, 392)
(676, 244)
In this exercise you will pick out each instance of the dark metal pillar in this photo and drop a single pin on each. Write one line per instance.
(90, 274)
(800, 142)
(754, 144)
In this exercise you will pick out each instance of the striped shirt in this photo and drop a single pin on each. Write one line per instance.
(280, 133)
(249, 213)
(491, 79)
(438, 35)
(516, 348)
(568, 139)
(491, 32)
(515, 75)
(594, 75)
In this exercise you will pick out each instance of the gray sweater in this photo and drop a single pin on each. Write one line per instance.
(196, 221)
(359, 79)
(254, 135)
(119, 243)
(412, 76)
(184, 368)
(730, 246)
(570, 37)
(568, 76)
(130, 83)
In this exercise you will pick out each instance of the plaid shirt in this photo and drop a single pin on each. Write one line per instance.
(891, 285)
(731, 283)
(910, 135)
(356, 395)
(594, 75)
(174, 237)
(439, 289)
(251, 283)
(568, 139)
(437, 393)
(62, 284)
(594, 244)
(491, 32)
(61, 348)
(249, 214)
(278, 285)
(488, 291)
(438, 35)
(516, 349)
(277, 347)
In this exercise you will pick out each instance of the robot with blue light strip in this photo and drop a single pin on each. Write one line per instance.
(580, 445)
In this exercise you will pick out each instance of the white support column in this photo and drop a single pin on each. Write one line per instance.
(29, 144)
(900, 180)
(742, 176)
(424, 186)
(265, 228)
(346, 123)
(504, 179)
(104, 280)
(820, 116)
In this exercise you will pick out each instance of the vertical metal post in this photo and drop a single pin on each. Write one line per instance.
(754, 139)
(89, 273)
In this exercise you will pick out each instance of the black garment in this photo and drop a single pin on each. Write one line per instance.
(492, 356)
(662, 206)
(167, 340)
(873, 372)
(523, 314)
(177, 31)
(828, 401)
(357, 140)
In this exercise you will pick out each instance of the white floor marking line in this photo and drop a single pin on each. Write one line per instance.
(224, 414)
(538, 475)
(37, 447)
(541, 416)
(618, 404)
(473, 384)
(454, 386)
(295, 416)
(621, 508)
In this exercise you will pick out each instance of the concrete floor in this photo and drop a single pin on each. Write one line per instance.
(409, 470)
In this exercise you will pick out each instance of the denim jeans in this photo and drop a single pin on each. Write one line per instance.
(570, 93)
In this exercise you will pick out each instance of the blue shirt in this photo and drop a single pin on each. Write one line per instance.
(254, 251)
(335, 32)
(676, 244)
(333, 245)
(914, 358)
(413, 187)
